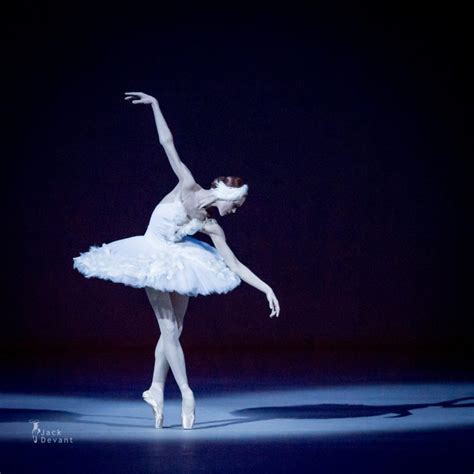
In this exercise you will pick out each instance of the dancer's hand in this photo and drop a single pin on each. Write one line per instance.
(273, 302)
(143, 98)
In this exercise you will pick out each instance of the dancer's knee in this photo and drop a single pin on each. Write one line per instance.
(160, 345)
(169, 331)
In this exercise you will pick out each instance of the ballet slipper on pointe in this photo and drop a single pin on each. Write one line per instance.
(154, 398)
(188, 410)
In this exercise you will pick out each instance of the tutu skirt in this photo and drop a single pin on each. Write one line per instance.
(189, 266)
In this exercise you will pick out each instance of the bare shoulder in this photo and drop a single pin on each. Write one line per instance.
(187, 188)
(181, 191)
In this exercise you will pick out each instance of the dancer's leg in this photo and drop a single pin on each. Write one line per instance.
(170, 331)
(161, 367)
(180, 305)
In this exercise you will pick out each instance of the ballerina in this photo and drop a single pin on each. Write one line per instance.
(172, 266)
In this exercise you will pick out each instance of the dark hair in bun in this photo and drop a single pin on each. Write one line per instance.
(233, 181)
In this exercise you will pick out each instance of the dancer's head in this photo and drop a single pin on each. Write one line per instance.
(231, 193)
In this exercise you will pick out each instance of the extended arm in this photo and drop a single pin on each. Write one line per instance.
(166, 139)
(215, 231)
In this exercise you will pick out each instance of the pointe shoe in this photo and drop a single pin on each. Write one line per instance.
(157, 408)
(187, 420)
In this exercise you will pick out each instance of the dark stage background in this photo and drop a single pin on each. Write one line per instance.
(348, 127)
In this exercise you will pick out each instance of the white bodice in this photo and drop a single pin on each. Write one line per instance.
(170, 222)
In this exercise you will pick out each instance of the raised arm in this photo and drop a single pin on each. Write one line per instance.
(215, 231)
(165, 137)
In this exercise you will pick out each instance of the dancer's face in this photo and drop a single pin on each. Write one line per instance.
(229, 207)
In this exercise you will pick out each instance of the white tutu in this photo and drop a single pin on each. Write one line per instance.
(165, 257)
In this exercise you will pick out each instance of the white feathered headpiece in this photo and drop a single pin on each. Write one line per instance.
(229, 193)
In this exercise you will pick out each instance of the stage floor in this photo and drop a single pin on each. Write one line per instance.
(91, 418)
